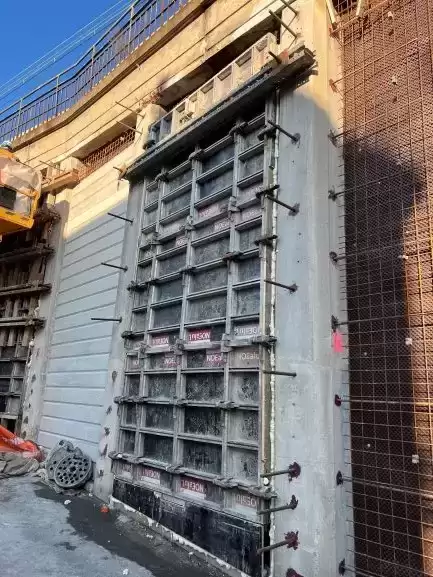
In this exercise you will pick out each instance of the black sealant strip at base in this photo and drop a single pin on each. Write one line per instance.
(229, 538)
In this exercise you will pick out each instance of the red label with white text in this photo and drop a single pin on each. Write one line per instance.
(193, 486)
(152, 475)
(199, 336)
(160, 340)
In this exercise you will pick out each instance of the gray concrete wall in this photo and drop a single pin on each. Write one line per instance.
(80, 347)
(306, 423)
(75, 372)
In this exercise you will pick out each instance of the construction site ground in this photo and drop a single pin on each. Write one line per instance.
(42, 536)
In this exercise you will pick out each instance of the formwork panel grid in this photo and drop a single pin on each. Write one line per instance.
(192, 400)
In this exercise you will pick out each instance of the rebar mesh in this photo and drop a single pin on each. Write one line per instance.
(387, 138)
(105, 153)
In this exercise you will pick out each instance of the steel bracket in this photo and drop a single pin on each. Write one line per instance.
(267, 131)
(225, 483)
(264, 340)
(127, 334)
(267, 240)
(232, 256)
(162, 176)
(232, 205)
(135, 286)
(238, 128)
(196, 155)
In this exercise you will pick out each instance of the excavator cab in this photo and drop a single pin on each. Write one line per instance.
(20, 190)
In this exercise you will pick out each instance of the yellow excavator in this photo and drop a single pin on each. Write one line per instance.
(20, 191)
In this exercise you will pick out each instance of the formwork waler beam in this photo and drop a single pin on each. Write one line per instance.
(387, 142)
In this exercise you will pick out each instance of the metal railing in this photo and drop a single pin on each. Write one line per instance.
(62, 91)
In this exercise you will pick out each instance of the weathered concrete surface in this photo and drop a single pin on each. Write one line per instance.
(42, 537)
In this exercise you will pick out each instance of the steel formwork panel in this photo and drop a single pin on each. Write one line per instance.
(192, 387)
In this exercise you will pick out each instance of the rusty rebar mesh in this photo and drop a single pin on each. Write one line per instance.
(103, 154)
(387, 90)
(343, 6)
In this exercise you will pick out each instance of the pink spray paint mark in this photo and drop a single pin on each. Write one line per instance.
(337, 342)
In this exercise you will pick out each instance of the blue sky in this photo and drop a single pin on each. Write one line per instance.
(35, 27)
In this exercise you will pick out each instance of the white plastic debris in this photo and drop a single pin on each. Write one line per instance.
(415, 459)
(67, 502)
(125, 571)
(408, 341)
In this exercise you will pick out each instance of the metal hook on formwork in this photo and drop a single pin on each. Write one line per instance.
(290, 540)
(336, 257)
(293, 471)
(270, 129)
(292, 506)
(267, 192)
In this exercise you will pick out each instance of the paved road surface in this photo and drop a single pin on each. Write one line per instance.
(42, 537)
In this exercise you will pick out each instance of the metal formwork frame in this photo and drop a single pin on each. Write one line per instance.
(204, 234)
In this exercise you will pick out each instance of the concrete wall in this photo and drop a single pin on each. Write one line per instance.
(76, 371)
(306, 422)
